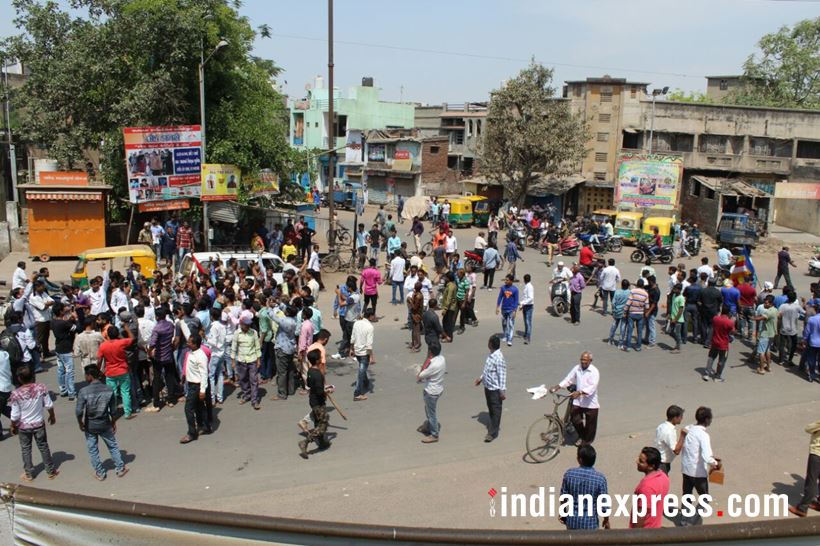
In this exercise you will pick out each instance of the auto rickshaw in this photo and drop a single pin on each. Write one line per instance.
(481, 209)
(602, 215)
(628, 226)
(142, 255)
(461, 212)
(665, 229)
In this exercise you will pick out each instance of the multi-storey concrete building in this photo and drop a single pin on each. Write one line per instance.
(463, 125)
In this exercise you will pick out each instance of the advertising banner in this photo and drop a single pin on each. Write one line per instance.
(171, 204)
(648, 180)
(64, 178)
(220, 182)
(162, 162)
(267, 184)
(795, 190)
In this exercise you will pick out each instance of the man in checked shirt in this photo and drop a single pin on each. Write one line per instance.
(584, 412)
(495, 385)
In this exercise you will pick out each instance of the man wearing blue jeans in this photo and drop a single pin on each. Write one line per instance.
(507, 305)
(64, 328)
(361, 346)
(96, 415)
(527, 304)
(636, 306)
(432, 375)
(651, 314)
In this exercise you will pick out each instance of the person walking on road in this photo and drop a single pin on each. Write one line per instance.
(318, 405)
(722, 328)
(491, 262)
(246, 358)
(812, 481)
(784, 260)
(432, 375)
(697, 459)
(96, 416)
(512, 256)
(431, 326)
(652, 488)
(507, 305)
(527, 305)
(494, 378)
(584, 413)
(576, 286)
(197, 392)
(415, 307)
(361, 346)
(610, 279)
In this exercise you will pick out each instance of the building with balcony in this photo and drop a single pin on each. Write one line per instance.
(462, 124)
(360, 111)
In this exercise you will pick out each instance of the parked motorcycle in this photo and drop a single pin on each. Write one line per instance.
(474, 259)
(814, 266)
(665, 255)
(559, 294)
(693, 245)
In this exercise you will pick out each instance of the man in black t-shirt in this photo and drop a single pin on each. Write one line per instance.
(651, 313)
(373, 240)
(318, 409)
(710, 302)
(64, 328)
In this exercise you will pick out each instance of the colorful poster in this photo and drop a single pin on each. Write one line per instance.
(648, 180)
(220, 182)
(267, 184)
(158, 206)
(163, 163)
(375, 152)
(64, 178)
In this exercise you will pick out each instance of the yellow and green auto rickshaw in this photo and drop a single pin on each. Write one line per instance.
(141, 255)
(665, 228)
(461, 212)
(628, 226)
(481, 209)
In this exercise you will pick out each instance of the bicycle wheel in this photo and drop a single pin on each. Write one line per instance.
(331, 263)
(344, 237)
(616, 245)
(544, 439)
(427, 248)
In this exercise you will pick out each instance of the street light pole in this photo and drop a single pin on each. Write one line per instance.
(331, 132)
(206, 225)
(12, 153)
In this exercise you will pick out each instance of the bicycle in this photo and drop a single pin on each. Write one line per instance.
(334, 262)
(342, 235)
(546, 435)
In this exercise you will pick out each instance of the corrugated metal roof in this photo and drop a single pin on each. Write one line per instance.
(730, 186)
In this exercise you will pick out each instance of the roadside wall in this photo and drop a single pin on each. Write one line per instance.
(799, 214)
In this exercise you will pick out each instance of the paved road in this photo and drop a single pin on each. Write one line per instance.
(378, 471)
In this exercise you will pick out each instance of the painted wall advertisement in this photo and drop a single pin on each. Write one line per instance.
(267, 184)
(648, 180)
(163, 163)
(220, 182)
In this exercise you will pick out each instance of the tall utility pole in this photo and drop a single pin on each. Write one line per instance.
(331, 132)
(12, 156)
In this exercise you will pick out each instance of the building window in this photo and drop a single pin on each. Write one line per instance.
(603, 137)
(694, 188)
(478, 127)
(606, 96)
(316, 124)
(724, 85)
(600, 176)
(577, 90)
(434, 150)
(458, 137)
(600, 157)
(469, 128)
(807, 149)
(710, 193)
(633, 91)
(604, 118)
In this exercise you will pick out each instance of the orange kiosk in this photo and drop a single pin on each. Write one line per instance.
(66, 215)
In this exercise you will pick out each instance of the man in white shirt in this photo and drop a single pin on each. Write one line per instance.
(361, 346)
(608, 229)
(41, 303)
(397, 278)
(314, 267)
(697, 457)
(706, 268)
(584, 412)
(452, 244)
(97, 294)
(196, 393)
(667, 440)
(19, 279)
(432, 375)
(480, 243)
(118, 299)
(526, 304)
(610, 281)
(314, 286)
(215, 339)
(426, 286)
(561, 274)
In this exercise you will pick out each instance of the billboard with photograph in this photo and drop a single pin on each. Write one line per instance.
(267, 184)
(220, 182)
(648, 180)
(162, 162)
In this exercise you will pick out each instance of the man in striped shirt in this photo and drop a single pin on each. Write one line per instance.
(636, 306)
(494, 378)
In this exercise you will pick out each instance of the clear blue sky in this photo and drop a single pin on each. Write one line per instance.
(664, 42)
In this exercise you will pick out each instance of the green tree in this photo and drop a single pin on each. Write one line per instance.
(530, 133)
(109, 64)
(679, 95)
(785, 72)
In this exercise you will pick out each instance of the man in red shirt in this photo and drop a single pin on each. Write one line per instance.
(747, 303)
(587, 256)
(651, 490)
(722, 327)
(185, 241)
(111, 356)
